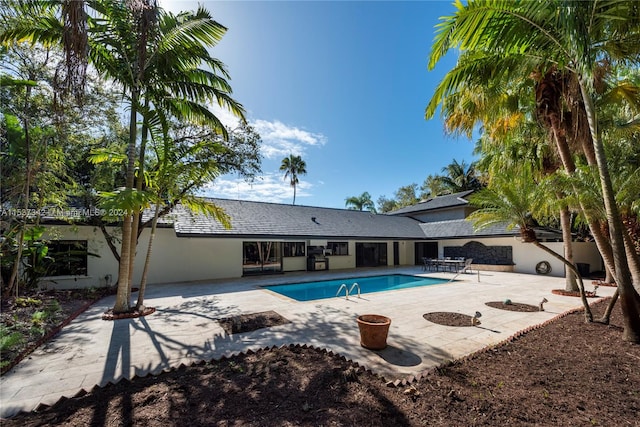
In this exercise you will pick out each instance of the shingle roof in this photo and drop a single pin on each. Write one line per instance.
(461, 228)
(277, 220)
(439, 202)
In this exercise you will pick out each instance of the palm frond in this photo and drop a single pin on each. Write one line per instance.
(102, 155)
(202, 206)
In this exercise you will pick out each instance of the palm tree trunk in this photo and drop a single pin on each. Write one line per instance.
(607, 313)
(143, 281)
(602, 242)
(632, 259)
(629, 298)
(123, 295)
(567, 239)
(608, 276)
(12, 286)
(136, 213)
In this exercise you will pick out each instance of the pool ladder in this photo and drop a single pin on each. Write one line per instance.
(348, 291)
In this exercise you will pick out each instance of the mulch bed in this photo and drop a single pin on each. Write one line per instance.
(251, 322)
(563, 292)
(109, 314)
(601, 283)
(448, 318)
(513, 306)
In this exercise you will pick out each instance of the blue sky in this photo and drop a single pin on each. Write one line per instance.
(344, 84)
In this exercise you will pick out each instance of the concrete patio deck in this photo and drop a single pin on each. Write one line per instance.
(184, 329)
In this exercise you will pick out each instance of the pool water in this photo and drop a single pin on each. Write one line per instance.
(328, 288)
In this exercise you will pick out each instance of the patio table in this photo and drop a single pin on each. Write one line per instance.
(442, 264)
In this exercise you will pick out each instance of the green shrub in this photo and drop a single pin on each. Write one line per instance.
(37, 330)
(9, 339)
(39, 317)
(52, 307)
(27, 302)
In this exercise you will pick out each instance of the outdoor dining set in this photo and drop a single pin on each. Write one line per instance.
(457, 265)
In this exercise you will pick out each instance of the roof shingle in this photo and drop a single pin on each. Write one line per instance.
(278, 220)
(439, 202)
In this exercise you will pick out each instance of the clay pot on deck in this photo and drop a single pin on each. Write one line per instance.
(374, 329)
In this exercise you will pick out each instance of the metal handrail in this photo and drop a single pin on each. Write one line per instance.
(346, 291)
(355, 285)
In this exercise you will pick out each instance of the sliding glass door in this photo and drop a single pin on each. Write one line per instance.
(371, 254)
(261, 257)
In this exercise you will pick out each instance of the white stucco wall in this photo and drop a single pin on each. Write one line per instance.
(297, 263)
(181, 259)
(98, 267)
(526, 256)
(407, 252)
(173, 259)
(338, 262)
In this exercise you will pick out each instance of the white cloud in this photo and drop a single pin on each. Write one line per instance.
(270, 187)
(225, 116)
(279, 139)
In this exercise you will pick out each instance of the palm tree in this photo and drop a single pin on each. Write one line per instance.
(510, 135)
(561, 45)
(360, 203)
(460, 177)
(293, 166)
(158, 67)
(514, 198)
(179, 169)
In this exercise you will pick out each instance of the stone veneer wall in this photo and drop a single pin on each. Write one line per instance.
(481, 254)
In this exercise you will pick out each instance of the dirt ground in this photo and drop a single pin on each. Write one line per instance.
(565, 373)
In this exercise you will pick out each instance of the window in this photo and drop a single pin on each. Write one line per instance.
(338, 248)
(67, 258)
(293, 249)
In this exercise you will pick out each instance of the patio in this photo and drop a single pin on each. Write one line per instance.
(184, 329)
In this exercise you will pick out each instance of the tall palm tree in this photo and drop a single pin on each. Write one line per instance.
(360, 203)
(179, 168)
(158, 67)
(510, 135)
(293, 166)
(561, 44)
(514, 198)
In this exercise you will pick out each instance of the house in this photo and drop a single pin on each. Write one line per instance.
(447, 233)
(269, 238)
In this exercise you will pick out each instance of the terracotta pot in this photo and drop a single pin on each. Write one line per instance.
(374, 329)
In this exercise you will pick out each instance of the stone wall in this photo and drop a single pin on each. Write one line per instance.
(481, 254)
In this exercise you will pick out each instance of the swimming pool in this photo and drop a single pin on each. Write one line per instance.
(328, 288)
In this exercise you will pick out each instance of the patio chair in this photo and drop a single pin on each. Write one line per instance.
(467, 266)
(428, 264)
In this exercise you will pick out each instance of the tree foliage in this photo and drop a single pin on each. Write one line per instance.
(293, 166)
(361, 202)
(568, 49)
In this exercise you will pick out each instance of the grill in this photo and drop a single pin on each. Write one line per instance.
(316, 261)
